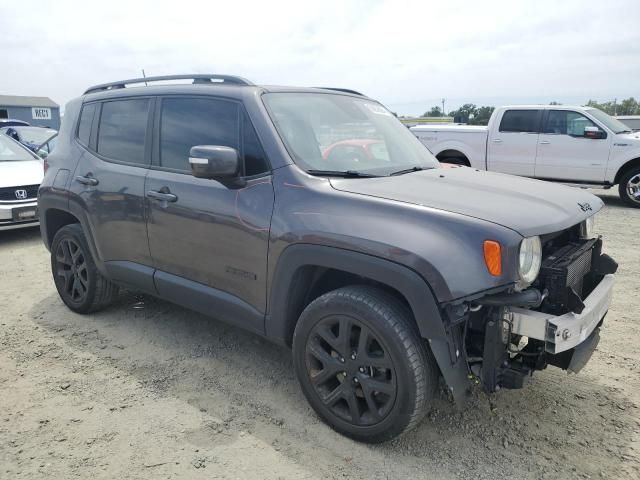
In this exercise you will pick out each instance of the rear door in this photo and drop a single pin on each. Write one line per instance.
(209, 241)
(108, 183)
(564, 153)
(513, 142)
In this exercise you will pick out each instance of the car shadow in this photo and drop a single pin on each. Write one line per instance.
(559, 424)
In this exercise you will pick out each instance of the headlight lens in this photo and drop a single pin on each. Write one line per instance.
(530, 259)
(586, 227)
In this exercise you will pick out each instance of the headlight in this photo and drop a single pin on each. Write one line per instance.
(586, 227)
(530, 259)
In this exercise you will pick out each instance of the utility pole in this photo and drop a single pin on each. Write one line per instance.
(615, 107)
(443, 114)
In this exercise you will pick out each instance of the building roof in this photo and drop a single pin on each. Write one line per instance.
(24, 101)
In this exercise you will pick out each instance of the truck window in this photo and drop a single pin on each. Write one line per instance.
(520, 121)
(566, 122)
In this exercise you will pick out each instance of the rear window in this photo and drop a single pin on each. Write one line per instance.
(84, 125)
(122, 130)
(520, 121)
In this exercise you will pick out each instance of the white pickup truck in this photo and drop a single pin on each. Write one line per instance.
(576, 145)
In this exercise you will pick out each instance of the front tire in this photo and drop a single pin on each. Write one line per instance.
(362, 364)
(79, 283)
(629, 187)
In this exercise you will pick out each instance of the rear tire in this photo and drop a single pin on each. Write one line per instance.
(79, 283)
(362, 364)
(629, 187)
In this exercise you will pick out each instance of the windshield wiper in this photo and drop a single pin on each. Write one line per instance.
(407, 170)
(342, 173)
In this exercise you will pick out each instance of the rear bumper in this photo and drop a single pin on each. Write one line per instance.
(9, 218)
(564, 332)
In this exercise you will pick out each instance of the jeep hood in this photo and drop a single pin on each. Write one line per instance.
(529, 207)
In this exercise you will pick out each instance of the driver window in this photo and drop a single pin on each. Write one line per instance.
(565, 122)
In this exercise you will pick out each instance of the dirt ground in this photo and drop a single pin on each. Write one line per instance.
(150, 390)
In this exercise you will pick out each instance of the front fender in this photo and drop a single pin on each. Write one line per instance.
(406, 281)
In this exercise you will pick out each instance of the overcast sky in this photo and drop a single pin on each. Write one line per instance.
(407, 54)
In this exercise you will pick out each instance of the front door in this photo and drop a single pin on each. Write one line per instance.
(109, 181)
(513, 144)
(209, 241)
(564, 153)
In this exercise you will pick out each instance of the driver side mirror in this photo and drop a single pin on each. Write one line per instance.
(594, 133)
(214, 162)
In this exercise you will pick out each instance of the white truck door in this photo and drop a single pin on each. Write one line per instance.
(513, 142)
(564, 153)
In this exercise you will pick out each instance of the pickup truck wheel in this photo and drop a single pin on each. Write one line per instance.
(79, 283)
(629, 187)
(362, 364)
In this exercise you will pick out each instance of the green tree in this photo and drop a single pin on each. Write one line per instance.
(434, 112)
(482, 116)
(629, 106)
(464, 112)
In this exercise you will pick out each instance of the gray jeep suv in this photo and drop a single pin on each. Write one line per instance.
(313, 217)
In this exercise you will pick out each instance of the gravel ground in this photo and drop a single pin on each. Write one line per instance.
(149, 390)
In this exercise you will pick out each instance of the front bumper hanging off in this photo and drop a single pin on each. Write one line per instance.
(569, 331)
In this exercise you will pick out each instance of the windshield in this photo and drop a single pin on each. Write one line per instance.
(339, 133)
(33, 135)
(10, 151)
(611, 123)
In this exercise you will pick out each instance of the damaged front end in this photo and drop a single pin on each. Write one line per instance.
(556, 321)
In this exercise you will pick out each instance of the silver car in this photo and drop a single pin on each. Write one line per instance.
(21, 173)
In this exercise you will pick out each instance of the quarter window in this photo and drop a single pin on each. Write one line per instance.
(122, 131)
(84, 126)
(255, 161)
(566, 122)
(526, 121)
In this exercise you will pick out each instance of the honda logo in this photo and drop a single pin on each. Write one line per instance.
(21, 194)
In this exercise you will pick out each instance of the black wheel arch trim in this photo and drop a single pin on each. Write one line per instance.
(411, 285)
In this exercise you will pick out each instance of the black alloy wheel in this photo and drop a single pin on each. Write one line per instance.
(351, 370)
(79, 283)
(71, 270)
(362, 364)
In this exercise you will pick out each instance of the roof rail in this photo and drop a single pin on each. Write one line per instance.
(197, 79)
(345, 90)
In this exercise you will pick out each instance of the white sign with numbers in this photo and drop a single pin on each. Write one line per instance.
(41, 113)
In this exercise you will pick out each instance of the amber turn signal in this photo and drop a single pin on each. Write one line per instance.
(493, 257)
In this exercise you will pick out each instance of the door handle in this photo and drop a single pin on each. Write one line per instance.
(497, 140)
(87, 180)
(162, 196)
(545, 142)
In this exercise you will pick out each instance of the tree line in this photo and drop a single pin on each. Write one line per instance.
(473, 115)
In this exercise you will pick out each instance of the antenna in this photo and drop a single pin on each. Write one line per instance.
(144, 76)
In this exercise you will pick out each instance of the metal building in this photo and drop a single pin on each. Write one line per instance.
(40, 111)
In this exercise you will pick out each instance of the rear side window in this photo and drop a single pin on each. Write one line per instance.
(187, 122)
(520, 121)
(122, 130)
(84, 125)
